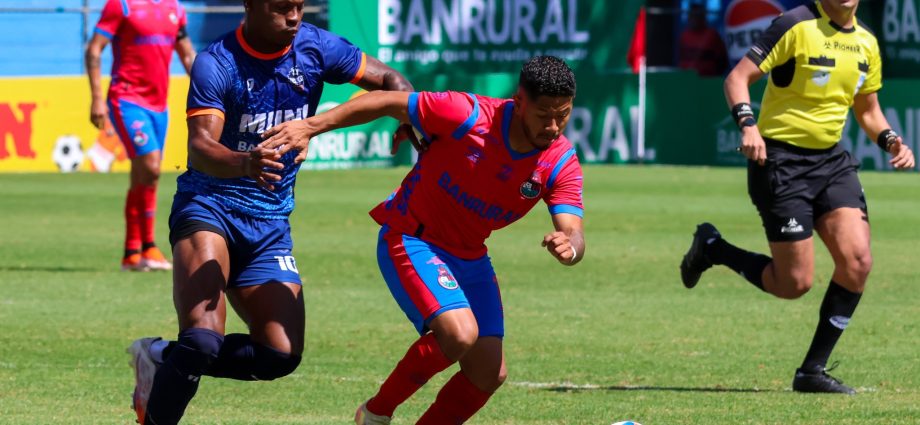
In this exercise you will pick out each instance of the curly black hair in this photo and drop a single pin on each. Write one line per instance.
(547, 76)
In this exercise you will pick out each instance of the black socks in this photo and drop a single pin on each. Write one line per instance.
(836, 309)
(748, 264)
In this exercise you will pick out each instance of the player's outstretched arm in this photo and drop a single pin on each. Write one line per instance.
(93, 58)
(567, 243)
(869, 114)
(365, 108)
(737, 94)
(209, 156)
(379, 76)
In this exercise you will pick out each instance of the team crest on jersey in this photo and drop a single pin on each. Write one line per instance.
(531, 188)
(250, 84)
(295, 76)
(445, 279)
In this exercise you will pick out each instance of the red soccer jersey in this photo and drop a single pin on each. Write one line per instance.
(470, 182)
(143, 34)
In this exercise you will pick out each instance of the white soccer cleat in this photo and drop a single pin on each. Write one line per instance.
(145, 368)
(364, 417)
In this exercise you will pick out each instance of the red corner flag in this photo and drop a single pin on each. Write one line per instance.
(637, 44)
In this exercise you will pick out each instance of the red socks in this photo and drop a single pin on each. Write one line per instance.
(147, 206)
(140, 212)
(458, 401)
(132, 221)
(423, 360)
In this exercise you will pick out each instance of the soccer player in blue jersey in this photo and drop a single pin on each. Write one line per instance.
(229, 223)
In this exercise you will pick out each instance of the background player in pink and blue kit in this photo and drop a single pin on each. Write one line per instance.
(144, 34)
(229, 225)
(488, 163)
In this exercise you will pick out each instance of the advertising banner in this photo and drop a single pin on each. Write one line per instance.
(705, 134)
(480, 45)
(44, 126)
(896, 24)
(743, 21)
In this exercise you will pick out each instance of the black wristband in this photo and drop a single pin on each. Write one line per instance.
(741, 111)
(886, 138)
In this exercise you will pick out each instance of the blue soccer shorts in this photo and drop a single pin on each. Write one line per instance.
(140, 129)
(260, 249)
(427, 281)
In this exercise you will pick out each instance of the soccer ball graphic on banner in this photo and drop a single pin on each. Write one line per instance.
(67, 153)
(626, 423)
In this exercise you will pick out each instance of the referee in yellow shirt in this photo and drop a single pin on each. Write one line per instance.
(821, 62)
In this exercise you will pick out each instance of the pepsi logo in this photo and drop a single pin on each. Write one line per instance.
(745, 21)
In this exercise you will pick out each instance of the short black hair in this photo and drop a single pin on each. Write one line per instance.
(547, 76)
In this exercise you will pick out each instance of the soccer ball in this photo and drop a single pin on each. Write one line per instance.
(67, 153)
(626, 423)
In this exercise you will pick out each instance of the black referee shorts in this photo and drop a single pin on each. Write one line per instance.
(796, 186)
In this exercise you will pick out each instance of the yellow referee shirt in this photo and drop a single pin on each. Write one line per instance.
(816, 69)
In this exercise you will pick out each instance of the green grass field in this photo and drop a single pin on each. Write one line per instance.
(614, 338)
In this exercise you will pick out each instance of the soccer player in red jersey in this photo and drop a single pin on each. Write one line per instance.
(144, 34)
(488, 163)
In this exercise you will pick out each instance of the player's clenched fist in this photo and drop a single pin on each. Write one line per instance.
(560, 246)
(902, 158)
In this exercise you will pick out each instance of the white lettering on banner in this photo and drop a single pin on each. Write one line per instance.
(445, 19)
(579, 132)
(477, 22)
(349, 145)
(903, 26)
(613, 136)
(864, 149)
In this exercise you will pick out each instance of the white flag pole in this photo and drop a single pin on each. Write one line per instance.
(640, 143)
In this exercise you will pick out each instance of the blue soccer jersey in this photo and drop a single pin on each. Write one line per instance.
(253, 91)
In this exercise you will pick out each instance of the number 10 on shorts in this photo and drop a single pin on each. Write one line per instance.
(286, 263)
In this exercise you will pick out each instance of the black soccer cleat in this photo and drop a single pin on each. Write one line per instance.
(819, 382)
(695, 261)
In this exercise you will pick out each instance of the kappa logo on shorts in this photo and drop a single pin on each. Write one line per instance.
(792, 226)
(445, 279)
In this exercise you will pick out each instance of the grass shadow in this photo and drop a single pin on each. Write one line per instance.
(53, 269)
(588, 388)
